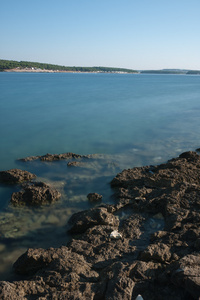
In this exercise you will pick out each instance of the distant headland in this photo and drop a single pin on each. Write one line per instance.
(25, 66)
(35, 67)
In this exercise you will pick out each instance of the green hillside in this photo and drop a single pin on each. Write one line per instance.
(11, 64)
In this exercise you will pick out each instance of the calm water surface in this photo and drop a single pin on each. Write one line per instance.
(131, 120)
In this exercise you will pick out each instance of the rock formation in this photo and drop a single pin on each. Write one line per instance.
(34, 194)
(54, 157)
(157, 213)
(14, 176)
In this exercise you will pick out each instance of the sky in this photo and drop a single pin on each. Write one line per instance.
(134, 34)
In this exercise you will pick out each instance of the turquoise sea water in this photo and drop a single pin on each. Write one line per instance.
(96, 113)
(130, 119)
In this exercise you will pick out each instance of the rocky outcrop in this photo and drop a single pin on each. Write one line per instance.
(14, 176)
(81, 221)
(54, 157)
(155, 254)
(37, 193)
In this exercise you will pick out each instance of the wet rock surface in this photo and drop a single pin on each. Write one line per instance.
(35, 194)
(94, 197)
(14, 176)
(75, 164)
(157, 214)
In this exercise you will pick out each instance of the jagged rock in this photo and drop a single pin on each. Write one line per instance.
(141, 270)
(157, 263)
(94, 197)
(52, 157)
(186, 274)
(16, 176)
(119, 285)
(37, 193)
(157, 253)
(56, 274)
(35, 259)
(81, 221)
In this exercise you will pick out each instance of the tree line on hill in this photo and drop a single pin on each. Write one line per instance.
(11, 64)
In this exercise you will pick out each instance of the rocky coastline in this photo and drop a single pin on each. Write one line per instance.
(147, 243)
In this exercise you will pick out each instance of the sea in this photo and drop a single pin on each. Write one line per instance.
(126, 120)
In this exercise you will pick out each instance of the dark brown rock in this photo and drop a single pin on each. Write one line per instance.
(94, 197)
(186, 274)
(37, 193)
(54, 157)
(34, 259)
(157, 253)
(159, 221)
(16, 176)
(140, 271)
(81, 221)
(119, 284)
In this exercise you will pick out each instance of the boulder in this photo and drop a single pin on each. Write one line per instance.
(37, 193)
(16, 176)
(157, 253)
(94, 197)
(81, 221)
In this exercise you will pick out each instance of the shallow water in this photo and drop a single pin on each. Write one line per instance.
(131, 120)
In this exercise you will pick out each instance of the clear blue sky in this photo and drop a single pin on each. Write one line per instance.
(136, 34)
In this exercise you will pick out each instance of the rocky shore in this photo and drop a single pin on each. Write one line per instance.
(147, 243)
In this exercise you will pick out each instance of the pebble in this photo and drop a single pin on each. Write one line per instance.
(115, 235)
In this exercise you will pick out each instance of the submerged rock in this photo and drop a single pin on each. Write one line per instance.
(94, 197)
(14, 176)
(54, 157)
(75, 164)
(37, 193)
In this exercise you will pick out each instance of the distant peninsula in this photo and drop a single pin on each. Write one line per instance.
(172, 71)
(35, 67)
(25, 66)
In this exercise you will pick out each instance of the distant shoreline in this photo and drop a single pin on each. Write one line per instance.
(30, 70)
(38, 70)
(35, 67)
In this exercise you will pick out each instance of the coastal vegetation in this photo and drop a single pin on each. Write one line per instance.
(11, 64)
(28, 66)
